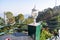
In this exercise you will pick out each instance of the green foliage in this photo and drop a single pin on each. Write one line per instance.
(10, 18)
(9, 14)
(45, 34)
(21, 17)
(44, 23)
(28, 21)
(59, 21)
(16, 19)
(1, 21)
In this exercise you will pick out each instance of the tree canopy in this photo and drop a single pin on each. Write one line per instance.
(9, 14)
(21, 17)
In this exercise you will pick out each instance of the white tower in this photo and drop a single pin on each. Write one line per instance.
(34, 13)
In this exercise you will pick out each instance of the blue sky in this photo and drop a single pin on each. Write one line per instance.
(25, 6)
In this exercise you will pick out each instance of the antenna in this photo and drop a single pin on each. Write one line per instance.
(55, 6)
(55, 2)
(34, 6)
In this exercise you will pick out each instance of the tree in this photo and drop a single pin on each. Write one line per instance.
(50, 17)
(45, 15)
(9, 14)
(48, 13)
(28, 20)
(10, 18)
(21, 18)
(59, 21)
(1, 21)
(17, 19)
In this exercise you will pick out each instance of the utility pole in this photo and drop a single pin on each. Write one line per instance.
(4, 18)
(55, 6)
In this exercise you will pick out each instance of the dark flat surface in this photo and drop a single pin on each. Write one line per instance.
(19, 34)
(16, 36)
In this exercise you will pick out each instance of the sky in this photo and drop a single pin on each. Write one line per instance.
(25, 6)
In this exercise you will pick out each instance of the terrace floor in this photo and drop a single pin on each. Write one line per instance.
(19, 36)
(16, 36)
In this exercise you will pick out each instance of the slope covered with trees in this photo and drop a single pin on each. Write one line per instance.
(51, 16)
